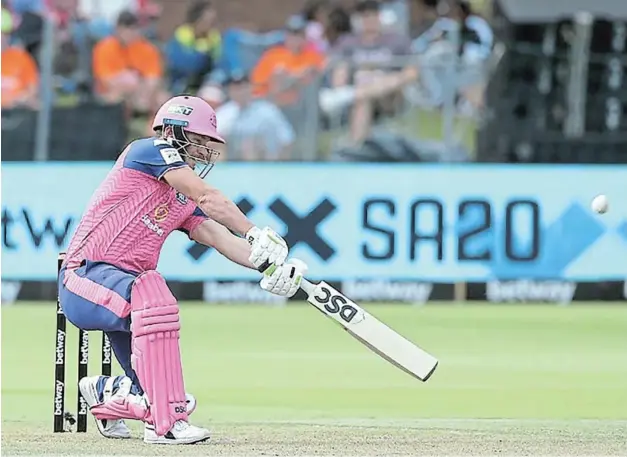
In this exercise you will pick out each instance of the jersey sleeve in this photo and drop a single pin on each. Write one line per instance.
(192, 222)
(154, 157)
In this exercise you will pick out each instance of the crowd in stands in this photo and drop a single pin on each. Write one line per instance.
(361, 62)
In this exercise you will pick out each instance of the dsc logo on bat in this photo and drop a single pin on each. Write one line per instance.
(336, 303)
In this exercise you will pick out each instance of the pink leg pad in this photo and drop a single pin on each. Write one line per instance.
(122, 408)
(156, 357)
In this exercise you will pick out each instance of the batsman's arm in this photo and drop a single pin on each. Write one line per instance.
(217, 236)
(210, 200)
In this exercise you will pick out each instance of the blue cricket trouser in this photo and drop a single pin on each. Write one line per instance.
(97, 296)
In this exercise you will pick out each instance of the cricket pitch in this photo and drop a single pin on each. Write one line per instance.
(513, 380)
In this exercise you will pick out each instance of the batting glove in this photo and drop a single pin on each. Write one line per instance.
(285, 279)
(268, 249)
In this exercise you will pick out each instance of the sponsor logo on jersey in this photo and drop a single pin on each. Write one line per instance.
(153, 226)
(181, 198)
(170, 155)
(161, 212)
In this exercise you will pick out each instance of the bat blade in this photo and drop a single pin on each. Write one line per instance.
(370, 331)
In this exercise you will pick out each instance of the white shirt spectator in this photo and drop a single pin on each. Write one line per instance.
(108, 10)
(476, 47)
(438, 53)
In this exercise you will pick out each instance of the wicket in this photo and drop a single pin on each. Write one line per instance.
(60, 415)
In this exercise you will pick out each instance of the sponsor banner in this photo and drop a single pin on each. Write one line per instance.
(364, 291)
(530, 291)
(558, 292)
(415, 222)
(413, 292)
(238, 292)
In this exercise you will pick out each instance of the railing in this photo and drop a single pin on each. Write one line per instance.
(424, 120)
(423, 117)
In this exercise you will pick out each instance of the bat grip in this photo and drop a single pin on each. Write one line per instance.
(306, 285)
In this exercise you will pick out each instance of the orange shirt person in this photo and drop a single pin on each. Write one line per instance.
(127, 66)
(20, 77)
(280, 66)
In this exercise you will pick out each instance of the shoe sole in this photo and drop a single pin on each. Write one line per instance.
(88, 391)
(175, 441)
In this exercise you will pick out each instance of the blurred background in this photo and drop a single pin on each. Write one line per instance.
(444, 141)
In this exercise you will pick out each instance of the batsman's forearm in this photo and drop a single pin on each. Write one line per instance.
(236, 250)
(222, 210)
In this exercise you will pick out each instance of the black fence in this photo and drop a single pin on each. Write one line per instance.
(559, 94)
(83, 132)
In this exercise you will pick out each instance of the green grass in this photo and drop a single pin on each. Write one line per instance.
(250, 364)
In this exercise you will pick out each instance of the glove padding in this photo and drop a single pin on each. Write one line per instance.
(268, 248)
(285, 279)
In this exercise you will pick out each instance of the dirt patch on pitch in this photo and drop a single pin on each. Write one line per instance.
(346, 438)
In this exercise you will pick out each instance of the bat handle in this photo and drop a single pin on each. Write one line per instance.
(307, 286)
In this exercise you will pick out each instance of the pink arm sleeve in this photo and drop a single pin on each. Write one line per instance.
(192, 222)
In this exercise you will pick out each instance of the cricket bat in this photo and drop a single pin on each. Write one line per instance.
(373, 333)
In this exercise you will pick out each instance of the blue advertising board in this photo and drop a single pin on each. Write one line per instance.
(412, 221)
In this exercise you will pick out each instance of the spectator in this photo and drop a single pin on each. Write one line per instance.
(127, 67)
(283, 68)
(338, 26)
(74, 36)
(425, 18)
(195, 49)
(376, 64)
(475, 47)
(213, 93)
(20, 77)
(316, 13)
(109, 10)
(255, 128)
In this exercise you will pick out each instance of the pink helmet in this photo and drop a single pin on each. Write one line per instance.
(193, 114)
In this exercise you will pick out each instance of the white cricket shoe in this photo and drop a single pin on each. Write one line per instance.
(181, 433)
(89, 389)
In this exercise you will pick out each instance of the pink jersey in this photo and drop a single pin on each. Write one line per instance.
(133, 211)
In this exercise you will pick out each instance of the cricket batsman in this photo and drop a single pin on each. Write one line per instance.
(108, 280)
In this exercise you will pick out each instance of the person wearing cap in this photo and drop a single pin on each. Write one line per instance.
(20, 77)
(283, 68)
(127, 66)
(255, 128)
